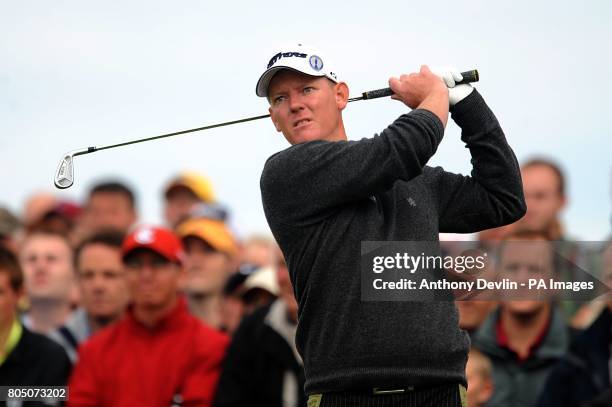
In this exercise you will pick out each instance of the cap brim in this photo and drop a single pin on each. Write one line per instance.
(215, 233)
(178, 184)
(264, 81)
(130, 250)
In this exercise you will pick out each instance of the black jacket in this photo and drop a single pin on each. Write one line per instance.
(262, 367)
(35, 361)
(583, 373)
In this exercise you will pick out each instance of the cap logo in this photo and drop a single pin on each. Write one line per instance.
(144, 236)
(315, 63)
(280, 55)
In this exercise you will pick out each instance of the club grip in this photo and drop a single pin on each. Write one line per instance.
(468, 77)
(378, 93)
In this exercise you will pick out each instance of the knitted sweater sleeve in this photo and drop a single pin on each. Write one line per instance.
(492, 195)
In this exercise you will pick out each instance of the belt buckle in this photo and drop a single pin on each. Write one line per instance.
(379, 391)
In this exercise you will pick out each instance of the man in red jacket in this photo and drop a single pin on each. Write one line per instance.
(158, 354)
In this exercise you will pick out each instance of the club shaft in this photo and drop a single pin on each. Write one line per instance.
(468, 77)
(176, 133)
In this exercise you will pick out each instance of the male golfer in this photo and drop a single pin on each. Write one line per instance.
(324, 195)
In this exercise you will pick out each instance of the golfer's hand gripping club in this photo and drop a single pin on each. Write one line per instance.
(468, 77)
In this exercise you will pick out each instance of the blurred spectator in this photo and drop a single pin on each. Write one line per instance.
(103, 286)
(110, 205)
(478, 373)
(214, 211)
(9, 225)
(47, 262)
(183, 193)
(263, 367)
(583, 375)
(158, 354)
(476, 305)
(246, 290)
(61, 219)
(490, 239)
(233, 304)
(544, 188)
(592, 260)
(259, 250)
(260, 288)
(36, 206)
(26, 358)
(523, 338)
(211, 253)
(472, 313)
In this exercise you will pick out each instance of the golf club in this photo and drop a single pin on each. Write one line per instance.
(64, 176)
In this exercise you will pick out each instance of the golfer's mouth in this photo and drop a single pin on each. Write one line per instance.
(301, 123)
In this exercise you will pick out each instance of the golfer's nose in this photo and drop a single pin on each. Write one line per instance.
(296, 102)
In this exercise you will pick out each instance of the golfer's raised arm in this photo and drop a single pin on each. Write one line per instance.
(493, 195)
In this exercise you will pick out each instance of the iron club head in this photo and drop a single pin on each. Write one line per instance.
(64, 176)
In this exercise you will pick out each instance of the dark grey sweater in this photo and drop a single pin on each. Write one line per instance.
(316, 198)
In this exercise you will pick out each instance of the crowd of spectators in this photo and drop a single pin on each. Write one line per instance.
(185, 313)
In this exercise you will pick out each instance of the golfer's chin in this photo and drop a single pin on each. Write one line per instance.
(304, 134)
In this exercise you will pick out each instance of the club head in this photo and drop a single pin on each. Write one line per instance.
(64, 176)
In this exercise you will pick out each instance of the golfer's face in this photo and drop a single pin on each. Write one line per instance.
(305, 108)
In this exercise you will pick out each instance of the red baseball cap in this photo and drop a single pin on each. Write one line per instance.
(160, 240)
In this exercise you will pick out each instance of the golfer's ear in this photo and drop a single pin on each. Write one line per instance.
(342, 94)
(272, 116)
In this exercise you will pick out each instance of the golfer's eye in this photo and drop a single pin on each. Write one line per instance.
(279, 99)
(308, 89)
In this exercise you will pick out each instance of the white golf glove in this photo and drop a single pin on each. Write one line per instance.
(451, 76)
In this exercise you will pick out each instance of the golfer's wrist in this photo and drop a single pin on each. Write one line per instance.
(437, 103)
